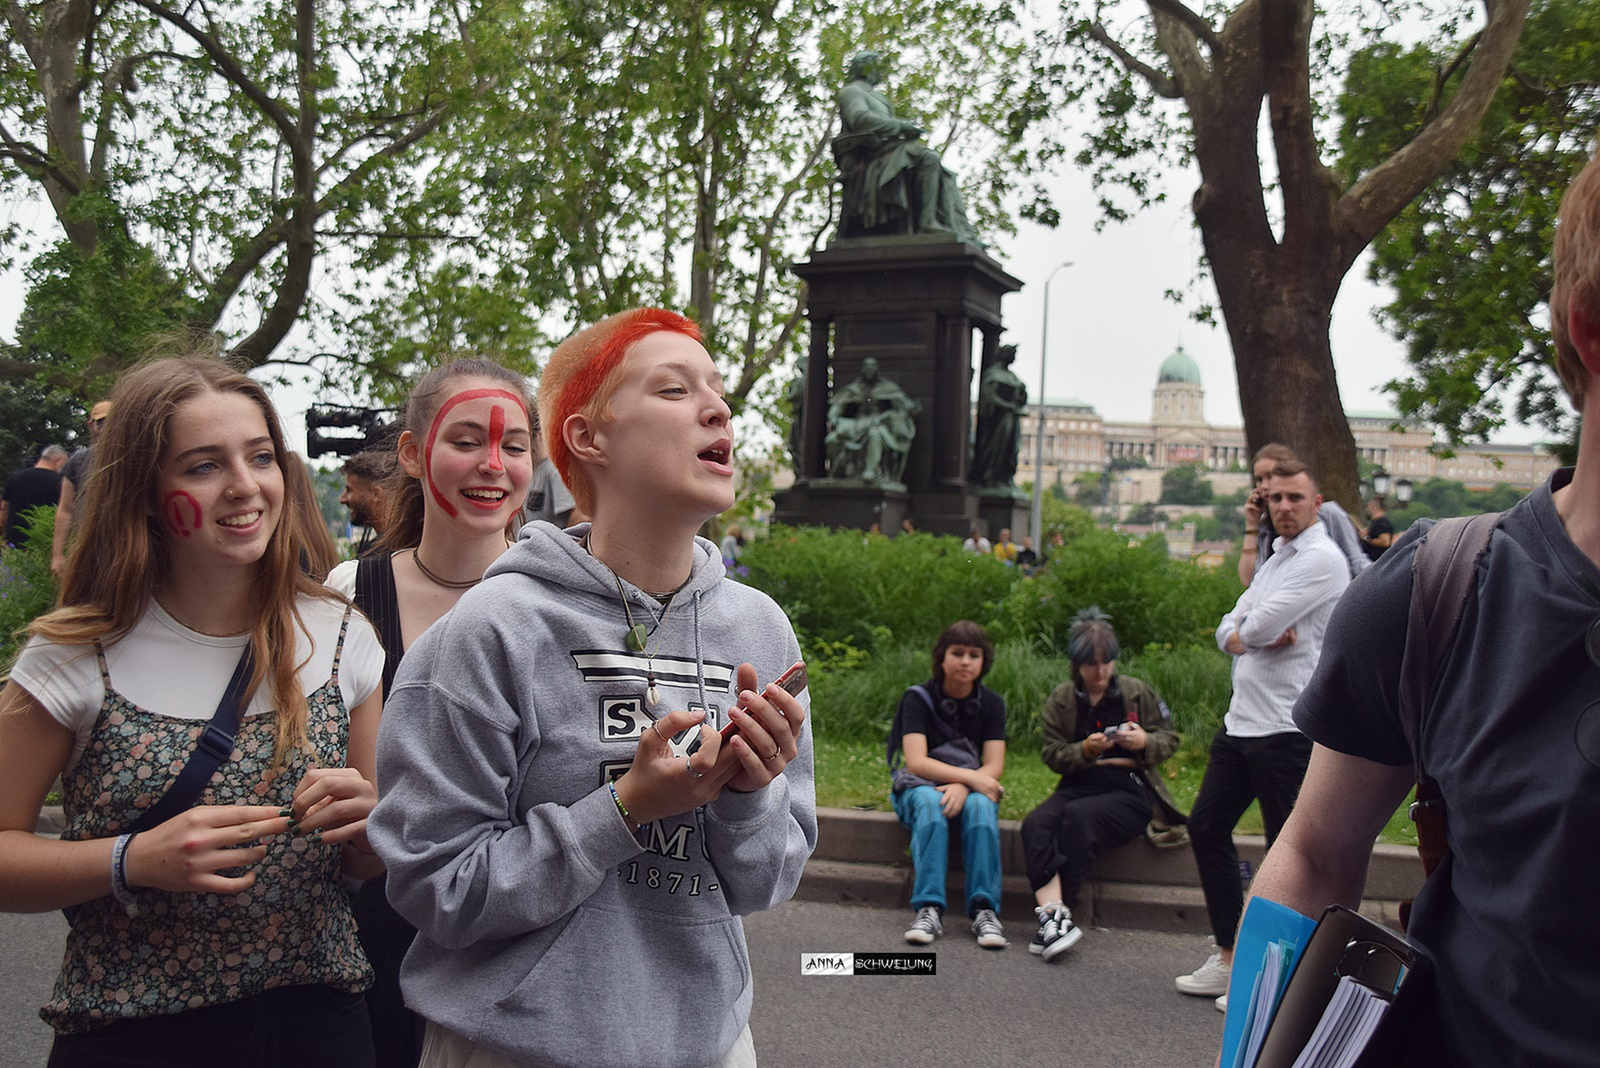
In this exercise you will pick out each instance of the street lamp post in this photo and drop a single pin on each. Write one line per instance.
(1038, 430)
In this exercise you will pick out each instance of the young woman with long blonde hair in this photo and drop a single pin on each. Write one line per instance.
(224, 930)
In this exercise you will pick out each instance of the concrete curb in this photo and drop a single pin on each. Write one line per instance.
(862, 858)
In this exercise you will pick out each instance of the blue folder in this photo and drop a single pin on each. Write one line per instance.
(1264, 922)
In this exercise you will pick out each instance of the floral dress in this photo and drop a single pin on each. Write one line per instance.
(180, 951)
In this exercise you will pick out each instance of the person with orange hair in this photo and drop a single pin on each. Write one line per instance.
(565, 824)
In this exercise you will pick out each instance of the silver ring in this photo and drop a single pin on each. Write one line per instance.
(690, 765)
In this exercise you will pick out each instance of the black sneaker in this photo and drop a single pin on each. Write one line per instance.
(1057, 933)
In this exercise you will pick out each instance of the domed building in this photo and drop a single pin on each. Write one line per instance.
(1078, 440)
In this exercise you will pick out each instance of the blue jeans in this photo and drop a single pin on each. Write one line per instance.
(918, 809)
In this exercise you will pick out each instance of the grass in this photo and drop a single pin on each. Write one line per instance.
(853, 775)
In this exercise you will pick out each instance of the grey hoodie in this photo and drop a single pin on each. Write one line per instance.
(546, 931)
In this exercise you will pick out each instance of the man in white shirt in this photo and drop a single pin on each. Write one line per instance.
(1275, 634)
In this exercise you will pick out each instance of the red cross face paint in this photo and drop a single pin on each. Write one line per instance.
(477, 459)
(182, 513)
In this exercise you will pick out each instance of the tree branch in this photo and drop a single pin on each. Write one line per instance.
(300, 244)
(1190, 19)
(1385, 190)
(1160, 83)
(229, 68)
(1309, 189)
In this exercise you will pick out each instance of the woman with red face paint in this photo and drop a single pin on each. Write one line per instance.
(573, 836)
(222, 927)
(464, 461)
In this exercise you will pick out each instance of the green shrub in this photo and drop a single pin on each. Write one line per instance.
(27, 588)
(869, 592)
(858, 704)
(1150, 598)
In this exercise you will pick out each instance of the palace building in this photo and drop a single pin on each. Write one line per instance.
(1078, 440)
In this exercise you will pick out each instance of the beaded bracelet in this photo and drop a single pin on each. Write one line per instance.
(119, 874)
(627, 817)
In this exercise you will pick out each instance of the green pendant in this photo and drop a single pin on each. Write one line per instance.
(636, 637)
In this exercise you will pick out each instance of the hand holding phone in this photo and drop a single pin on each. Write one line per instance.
(793, 680)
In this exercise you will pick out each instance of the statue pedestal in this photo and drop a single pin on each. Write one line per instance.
(847, 502)
(1001, 507)
(923, 306)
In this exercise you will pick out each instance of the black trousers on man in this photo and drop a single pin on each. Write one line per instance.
(1269, 769)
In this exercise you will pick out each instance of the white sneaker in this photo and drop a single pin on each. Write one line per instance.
(1207, 981)
(1222, 1003)
(926, 927)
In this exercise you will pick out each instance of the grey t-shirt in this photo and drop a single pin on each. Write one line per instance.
(548, 496)
(1510, 917)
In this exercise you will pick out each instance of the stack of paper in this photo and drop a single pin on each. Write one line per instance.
(1352, 1015)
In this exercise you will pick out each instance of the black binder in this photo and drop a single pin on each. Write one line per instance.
(1344, 944)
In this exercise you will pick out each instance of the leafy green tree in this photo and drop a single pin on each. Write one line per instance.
(1185, 484)
(1210, 86)
(1469, 259)
(197, 160)
(682, 158)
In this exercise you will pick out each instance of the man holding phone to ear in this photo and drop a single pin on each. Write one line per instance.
(1274, 634)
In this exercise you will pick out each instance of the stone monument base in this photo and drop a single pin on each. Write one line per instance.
(845, 502)
(1002, 507)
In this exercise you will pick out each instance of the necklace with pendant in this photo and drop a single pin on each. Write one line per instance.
(638, 637)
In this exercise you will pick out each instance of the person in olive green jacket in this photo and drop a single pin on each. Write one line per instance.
(1103, 732)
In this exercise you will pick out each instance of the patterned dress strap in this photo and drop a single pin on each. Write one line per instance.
(100, 658)
(338, 649)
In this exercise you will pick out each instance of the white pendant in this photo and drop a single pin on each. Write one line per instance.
(652, 695)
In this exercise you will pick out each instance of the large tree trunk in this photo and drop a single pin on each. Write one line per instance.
(1277, 290)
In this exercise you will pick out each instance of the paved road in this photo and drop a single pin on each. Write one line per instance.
(1108, 1004)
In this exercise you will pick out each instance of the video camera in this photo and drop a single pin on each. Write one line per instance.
(370, 428)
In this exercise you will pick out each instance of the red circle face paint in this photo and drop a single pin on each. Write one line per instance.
(497, 429)
(182, 513)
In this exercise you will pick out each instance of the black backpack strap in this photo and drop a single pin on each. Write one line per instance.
(214, 747)
(1444, 574)
(897, 729)
(376, 597)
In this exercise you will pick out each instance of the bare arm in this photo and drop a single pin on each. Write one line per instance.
(1322, 854)
(984, 779)
(58, 540)
(39, 874)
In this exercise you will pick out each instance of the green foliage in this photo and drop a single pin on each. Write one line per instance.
(1185, 484)
(858, 704)
(1469, 259)
(1440, 498)
(1150, 598)
(34, 414)
(841, 586)
(27, 588)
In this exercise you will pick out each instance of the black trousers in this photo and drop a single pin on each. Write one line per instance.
(397, 1032)
(1090, 814)
(302, 1026)
(1241, 770)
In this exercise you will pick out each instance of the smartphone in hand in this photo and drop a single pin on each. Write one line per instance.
(794, 680)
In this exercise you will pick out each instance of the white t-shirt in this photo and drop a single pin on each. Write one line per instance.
(164, 667)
